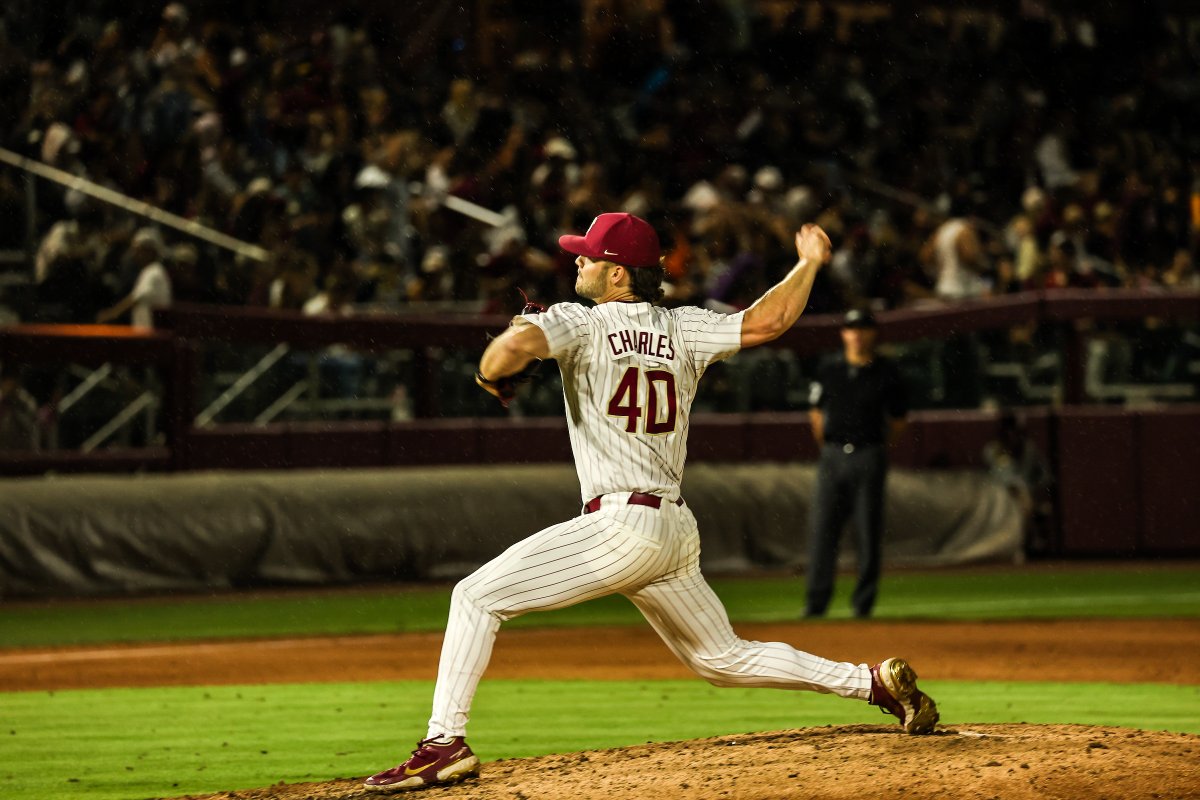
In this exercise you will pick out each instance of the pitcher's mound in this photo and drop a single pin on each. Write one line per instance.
(966, 762)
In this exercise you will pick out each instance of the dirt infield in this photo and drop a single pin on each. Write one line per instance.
(1124, 651)
(975, 761)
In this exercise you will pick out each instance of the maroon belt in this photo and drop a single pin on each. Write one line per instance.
(635, 499)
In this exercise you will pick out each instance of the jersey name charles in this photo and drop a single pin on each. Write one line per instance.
(646, 342)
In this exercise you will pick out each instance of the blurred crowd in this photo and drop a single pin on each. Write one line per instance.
(949, 153)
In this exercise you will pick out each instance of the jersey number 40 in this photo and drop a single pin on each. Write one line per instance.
(656, 407)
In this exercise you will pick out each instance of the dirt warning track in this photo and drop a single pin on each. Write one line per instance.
(1123, 651)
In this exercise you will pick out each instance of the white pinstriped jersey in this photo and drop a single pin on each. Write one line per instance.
(630, 372)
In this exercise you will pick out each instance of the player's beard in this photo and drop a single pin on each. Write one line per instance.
(589, 290)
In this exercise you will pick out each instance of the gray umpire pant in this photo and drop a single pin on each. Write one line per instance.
(850, 484)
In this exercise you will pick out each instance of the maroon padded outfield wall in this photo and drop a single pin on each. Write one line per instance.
(1169, 468)
(1100, 482)
(1129, 481)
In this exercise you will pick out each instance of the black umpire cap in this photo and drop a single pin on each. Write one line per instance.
(859, 318)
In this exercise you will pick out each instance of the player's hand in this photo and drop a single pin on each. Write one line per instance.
(813, 244)
(503, 389)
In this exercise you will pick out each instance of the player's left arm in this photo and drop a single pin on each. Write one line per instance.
(781, 305)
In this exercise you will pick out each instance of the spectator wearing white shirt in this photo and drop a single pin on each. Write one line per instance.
(151, 290)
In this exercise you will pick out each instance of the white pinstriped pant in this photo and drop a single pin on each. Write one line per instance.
(652, 557)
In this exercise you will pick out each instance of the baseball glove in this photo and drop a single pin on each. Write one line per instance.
(530, 307)
(505, 389)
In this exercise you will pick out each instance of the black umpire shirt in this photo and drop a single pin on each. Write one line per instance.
(857, 402)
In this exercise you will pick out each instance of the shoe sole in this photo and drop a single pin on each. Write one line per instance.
(901, 681)
(458, 771)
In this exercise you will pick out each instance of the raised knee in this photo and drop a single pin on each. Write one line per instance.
(461, 592)
(464, 594)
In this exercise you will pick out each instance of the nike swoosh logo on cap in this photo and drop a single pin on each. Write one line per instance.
(609, 253)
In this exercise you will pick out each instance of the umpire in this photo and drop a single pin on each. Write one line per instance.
(858, 406)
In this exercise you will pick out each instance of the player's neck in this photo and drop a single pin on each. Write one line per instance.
(618, 295)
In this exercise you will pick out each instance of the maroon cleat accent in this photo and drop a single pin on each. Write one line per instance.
(894, 689)
(433, 762)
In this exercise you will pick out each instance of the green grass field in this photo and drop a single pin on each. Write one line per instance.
(130, 744)
(1098, 591)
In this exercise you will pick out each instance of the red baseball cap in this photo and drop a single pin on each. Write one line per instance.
(621, 238)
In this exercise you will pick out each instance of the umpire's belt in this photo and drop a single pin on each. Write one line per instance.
(850, 447)
(635, 499)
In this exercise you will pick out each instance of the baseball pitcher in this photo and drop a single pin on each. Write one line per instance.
(629, 371)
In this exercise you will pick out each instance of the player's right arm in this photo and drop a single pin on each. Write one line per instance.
(513, 350)
(781, 305)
